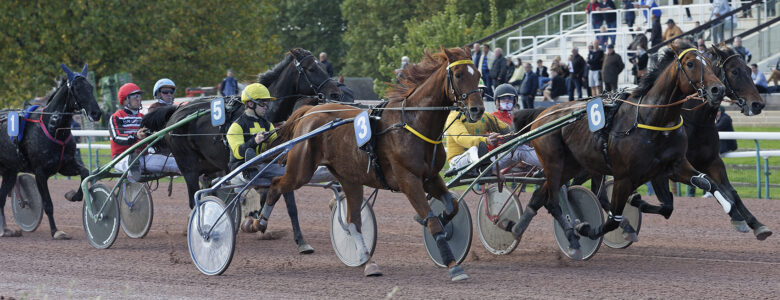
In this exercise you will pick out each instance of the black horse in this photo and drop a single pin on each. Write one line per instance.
(47, 147)
(200, 148)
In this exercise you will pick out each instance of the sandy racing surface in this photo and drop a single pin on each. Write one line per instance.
(696, 254)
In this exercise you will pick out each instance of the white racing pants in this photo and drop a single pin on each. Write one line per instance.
(522, 153)
(151, 163)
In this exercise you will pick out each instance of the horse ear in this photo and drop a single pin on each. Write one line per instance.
(716, 53)
(67, 72)
(446, 52)
(84, 71)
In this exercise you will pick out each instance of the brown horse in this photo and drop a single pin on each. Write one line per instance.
(408, 163)
(644, 142)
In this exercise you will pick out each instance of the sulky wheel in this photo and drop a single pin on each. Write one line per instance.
(343, 243)
(495, 206)
(458, 231)
(228, 195)
(135, 208)
(614, 239)
(210, 236)
(582, 206)
(100, 217)
(26, 203)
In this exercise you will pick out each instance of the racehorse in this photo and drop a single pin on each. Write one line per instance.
(47, 147)
(293, 81)
(408, 159)
(703, 140)
(644, 142)
(702, 137)
(201, 149)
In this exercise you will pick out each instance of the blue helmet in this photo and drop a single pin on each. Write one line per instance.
(165, 82)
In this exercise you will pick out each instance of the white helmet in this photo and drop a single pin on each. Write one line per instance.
(165, 82)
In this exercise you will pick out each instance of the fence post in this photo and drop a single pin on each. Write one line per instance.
(766, 173)
(89, 150)
(758, 170)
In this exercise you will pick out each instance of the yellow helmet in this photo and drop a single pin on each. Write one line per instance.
(255, 92)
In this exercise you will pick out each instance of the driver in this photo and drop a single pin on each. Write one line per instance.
(163, 93)
(125, 130)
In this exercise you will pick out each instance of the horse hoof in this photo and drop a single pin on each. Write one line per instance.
(10, 233)
(249, 225)
(457, 273)
(575, 254)
(70, 195)
(631, 237)
(762, 233)
(332, 203)
(305, 249)
(372, 270)
(740, 226)
(60, 235)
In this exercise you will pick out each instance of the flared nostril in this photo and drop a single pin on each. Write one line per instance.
(716, 90)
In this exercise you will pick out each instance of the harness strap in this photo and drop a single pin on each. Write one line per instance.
(460, 62)
(420, 135)
(684, 52)
(679, 102)
(656, 128)
(51, 138)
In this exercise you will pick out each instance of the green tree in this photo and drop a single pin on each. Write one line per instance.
(315, 25)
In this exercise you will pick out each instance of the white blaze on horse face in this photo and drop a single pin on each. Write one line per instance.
(471, 70)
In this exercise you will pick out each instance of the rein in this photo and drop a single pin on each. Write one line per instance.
(306, 76)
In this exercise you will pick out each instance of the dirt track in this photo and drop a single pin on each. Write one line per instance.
(696, 254)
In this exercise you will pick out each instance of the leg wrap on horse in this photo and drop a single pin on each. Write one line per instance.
(265, 214)
(574, 240)
(703, 182)
(361, 245)
(444, 248)
(522, 224)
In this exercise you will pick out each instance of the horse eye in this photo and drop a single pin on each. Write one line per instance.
(733, 72)
(690, 64)
(457, 75)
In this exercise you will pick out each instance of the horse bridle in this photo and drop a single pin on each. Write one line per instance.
(308, 80)
(700, 88)
(722, 69)
(460, 98)
(69, 108)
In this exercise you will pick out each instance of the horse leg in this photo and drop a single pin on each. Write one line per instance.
(9, 180)
(665, 196)
(574, 241)
(73, 168)
(292, 211)
(412, 187)
(538, 199)
(300, 169)
(718, 171)
(48, 208)
(436, 187)
(192, 179)
(620, 192)
(354, 194)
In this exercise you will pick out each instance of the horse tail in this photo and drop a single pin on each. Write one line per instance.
(286, 131)
(157, 118)
(524, 117)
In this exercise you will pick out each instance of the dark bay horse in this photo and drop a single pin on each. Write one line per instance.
(201, 149)
(645, 142)
(47, 147)
(409, 163)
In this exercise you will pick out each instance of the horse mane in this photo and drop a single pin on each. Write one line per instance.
(667, 56)
(415, 74)
(523, 117)
(157, 118)
(50, 95)
(286, 131)
(273, 74)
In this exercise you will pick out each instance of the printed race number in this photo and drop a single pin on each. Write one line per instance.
(362, 129)
(595, 110)
(13, 123)
(217, 112)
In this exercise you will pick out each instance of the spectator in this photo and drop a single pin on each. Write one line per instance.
(229, 86)
(723, 123)
(639, 39)
(640, 63)
(775, 75)
(557, 86)
(510, 70)
(719, 8)
(742, 51)
(576, 71)
(399, 72)
(498, 68)
(529, 87)
(609, 18)
(326, 64)
(698, 35)
(595, 62)
(613, 66)
(484, 64)
(541, 70)
(770, 8)
(655, 32)
(518, 73)
(629, 16)
(595, 19)
(650, 4)
(475, 52)
(687, 10)
(702, 47)
(603, 39)
(672, 30)
(758, 79)
(163, 92)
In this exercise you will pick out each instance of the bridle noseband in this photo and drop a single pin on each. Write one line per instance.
(308, 80)
(460, 98)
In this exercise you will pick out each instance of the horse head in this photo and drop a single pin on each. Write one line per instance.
(313, 79)
(697, 76)
(736, 76)
(81, 91)
(462, 83)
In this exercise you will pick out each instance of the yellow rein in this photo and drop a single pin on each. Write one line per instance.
(656, 128)
(420, 135)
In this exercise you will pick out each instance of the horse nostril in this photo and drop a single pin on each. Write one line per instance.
(335, 96)
(716, 90)
(757, 106)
